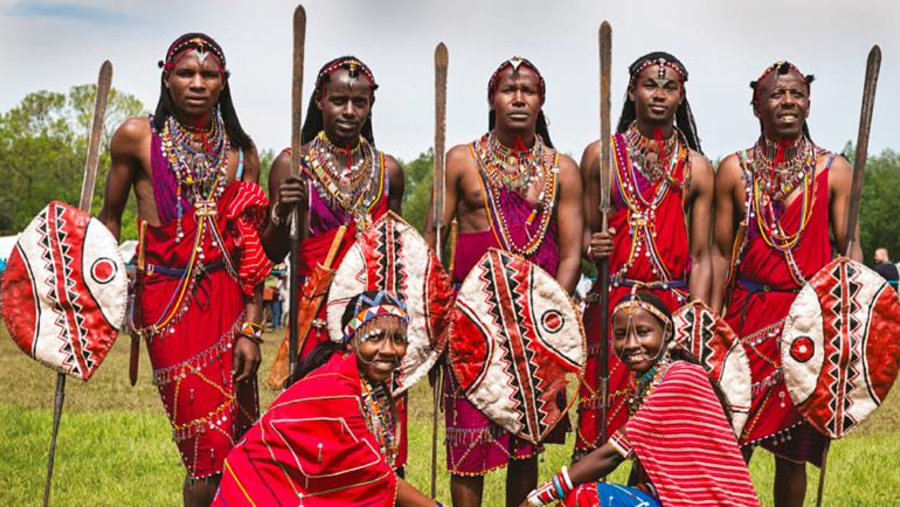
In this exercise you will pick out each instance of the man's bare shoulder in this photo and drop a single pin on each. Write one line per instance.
(592, 150)
(700, 165)
(459, 159)
(391, 165)
(840, 172)
(131, 138)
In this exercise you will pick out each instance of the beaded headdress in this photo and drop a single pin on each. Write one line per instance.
(352, 64)
(636, 301)
(664, 61)
(515, 62)
(202, 43)
(382, 304)
(782, 67)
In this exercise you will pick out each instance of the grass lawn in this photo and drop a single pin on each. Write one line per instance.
(115, 445)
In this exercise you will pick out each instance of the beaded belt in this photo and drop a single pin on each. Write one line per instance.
(179, 272)
(761, 287)
(617, 281)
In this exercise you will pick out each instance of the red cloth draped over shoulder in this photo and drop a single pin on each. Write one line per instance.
(672, 246)
(757, 316)
(686, 445)
(312, 448)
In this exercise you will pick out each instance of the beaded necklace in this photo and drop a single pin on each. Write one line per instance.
(347, 178)
(770, 185)
(652, 157)
(544, 165)
(381, 418)
(199, 160)
(642, 207)
(642, 386)
(515, 169)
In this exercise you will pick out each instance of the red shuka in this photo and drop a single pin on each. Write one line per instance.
(672, 246)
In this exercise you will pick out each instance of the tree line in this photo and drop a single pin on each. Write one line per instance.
(43, 141)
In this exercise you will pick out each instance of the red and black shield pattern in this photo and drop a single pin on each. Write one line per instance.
(392, 256)
(715, 344)
(65, 291)
(839, 348)
(516, 335)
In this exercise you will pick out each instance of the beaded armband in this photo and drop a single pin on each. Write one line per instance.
(554, 490)
(252, 332)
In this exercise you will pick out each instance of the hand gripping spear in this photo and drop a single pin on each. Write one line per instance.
(104, 82)
(605, 173)
(873, 66)
(296, 142)
(441, 60)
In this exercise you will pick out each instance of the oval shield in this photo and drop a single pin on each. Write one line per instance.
(839, 348)
(516, 336)
(65, 291)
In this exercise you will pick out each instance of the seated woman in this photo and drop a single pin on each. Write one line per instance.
(331, 438)
(678, 436)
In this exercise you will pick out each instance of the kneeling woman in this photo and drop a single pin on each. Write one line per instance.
(331, 438)
(678, 435)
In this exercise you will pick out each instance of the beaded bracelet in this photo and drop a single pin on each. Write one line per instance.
(554, 490)
(252, 331)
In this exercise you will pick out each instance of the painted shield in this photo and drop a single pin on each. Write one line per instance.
(392, 256)
(839, 348)
(715, 344)
(65, 291)
(516, 335)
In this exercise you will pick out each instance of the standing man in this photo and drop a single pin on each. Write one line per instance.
(509, 189)
(344, 180)
(658, 236)
(200, 268)
(885, 268)
(774, 204)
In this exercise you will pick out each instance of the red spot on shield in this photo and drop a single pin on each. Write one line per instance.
(103, 270)
(802, 349)
(552, 321)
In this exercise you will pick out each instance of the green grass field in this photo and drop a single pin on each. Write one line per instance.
(115, 446)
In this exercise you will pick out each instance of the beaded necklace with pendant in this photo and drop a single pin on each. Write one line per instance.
(545, 165)
(514, 169)
(199, 161)
(770, 186)
(642, 207)
(381, 418)
(652, 158)
(346, 178)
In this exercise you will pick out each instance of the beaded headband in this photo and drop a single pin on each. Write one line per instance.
(353, 65)
(631, 307)
(663, 64)
(383, 304)
(782, 67)
(515, 62)
(203, 44)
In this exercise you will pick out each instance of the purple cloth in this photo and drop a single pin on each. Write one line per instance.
(475, 444)
(801, 444)
(164, 184)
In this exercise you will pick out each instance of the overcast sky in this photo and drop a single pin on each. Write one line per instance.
(54, 45)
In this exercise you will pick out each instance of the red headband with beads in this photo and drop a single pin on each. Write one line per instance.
(352, 65)
(201, 45)
(662, 62)
(782, 67)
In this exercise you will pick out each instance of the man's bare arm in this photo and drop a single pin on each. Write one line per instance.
(702, 190)
(251, 166)
(727, 183)
(290, 191)
(455, 164)
(590, 184)
(124, 151)
(840, 181)
(396, 183)
(571, 224)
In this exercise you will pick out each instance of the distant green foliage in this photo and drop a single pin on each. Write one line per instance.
(43, 143)
(418, 175)
(879, 220)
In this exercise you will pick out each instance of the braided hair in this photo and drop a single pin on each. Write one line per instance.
(166, 108)
(684, 117)
(781, 67)
(515, 62)
(315, 122)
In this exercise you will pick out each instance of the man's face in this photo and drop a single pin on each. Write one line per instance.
(517, 99)
(346, 104)
(881, 256)
(195, 83)
(782, 105)
(657, 92)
